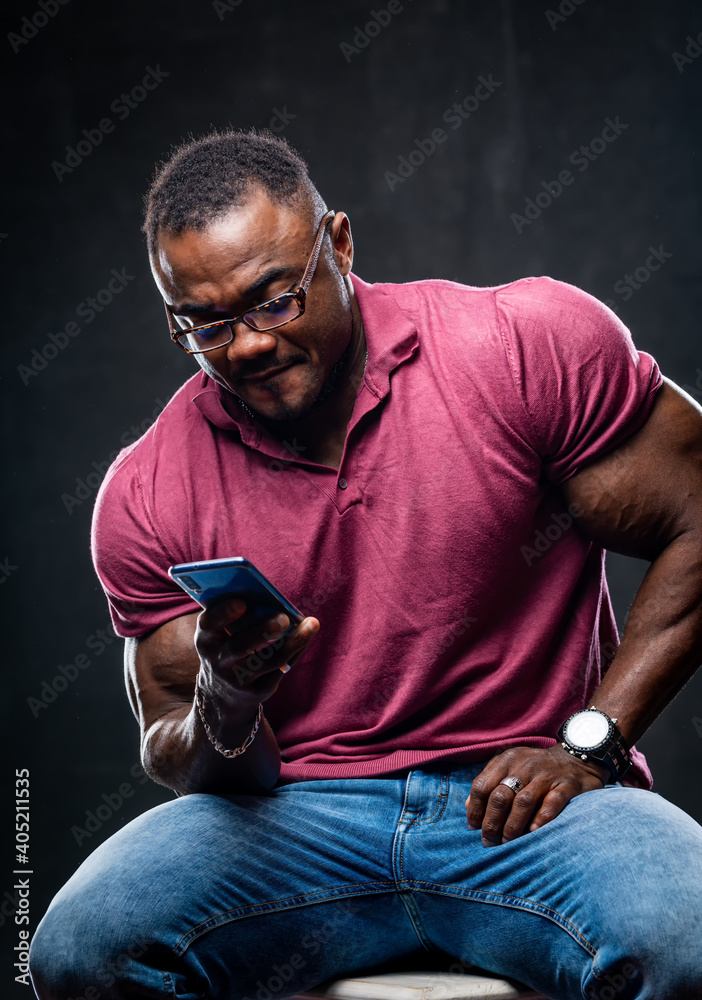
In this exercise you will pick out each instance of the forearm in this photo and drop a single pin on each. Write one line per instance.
(176, 752)
(662, 643)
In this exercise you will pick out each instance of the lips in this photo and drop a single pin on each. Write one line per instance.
(266, 375)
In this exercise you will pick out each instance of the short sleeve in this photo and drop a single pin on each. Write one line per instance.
(583, 385)
(129, 556)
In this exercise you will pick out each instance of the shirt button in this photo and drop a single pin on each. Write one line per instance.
(342, 484)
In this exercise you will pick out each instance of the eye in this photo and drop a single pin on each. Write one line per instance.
(210, 332)
(278, 305)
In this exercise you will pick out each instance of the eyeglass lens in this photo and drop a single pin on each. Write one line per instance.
(266, 317)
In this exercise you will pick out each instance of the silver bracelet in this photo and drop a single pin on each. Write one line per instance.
(211, 736)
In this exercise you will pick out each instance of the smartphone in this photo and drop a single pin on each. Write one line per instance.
(209, 581)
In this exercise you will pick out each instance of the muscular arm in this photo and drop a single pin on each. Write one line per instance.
(645, 500)
(161, 670)
(642, 500)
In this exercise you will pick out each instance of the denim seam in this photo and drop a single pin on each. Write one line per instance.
(415, 821)
(407, 901)
(597, 972)
(397, 855)
(416, 919)
(168, 985)
(440, 807)
(286, 903)
(515, 902)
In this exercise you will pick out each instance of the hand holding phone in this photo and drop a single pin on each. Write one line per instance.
(240, 638)
(210, 581)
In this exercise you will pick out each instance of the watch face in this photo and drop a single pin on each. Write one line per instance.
(586, 730)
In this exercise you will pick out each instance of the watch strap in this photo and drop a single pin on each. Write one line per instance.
(614, 755)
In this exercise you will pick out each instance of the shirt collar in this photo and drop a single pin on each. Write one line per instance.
(391, 338)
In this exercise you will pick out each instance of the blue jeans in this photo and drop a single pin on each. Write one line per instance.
(260, 897)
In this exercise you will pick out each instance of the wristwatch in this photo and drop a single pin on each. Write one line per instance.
(591, 735)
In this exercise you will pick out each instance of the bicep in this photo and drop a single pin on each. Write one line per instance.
(161, 669)
(637, 499)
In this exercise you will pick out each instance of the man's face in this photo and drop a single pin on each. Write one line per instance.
(257, 251)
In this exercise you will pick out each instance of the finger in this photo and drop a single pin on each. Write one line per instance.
(497, 810)
(279, 634)
(554, 803)
(480, 789)
(263, 680)
(259, 634)
(265, 659)
(526, 801)
(213, 620)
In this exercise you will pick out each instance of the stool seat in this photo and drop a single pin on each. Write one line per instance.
(420, 986)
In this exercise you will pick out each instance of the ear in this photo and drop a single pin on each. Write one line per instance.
(342, 243)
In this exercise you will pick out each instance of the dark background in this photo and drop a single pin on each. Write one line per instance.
(352, 116)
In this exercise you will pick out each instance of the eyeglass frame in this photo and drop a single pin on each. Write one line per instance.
(300, 294)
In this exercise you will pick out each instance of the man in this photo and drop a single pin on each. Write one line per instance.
(432, 471)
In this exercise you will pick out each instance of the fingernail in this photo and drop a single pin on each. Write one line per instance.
(472, 826)
(281, 620)
(311, 627)
(285, 668)
(489, 843)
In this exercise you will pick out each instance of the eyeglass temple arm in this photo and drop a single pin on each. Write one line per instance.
(171, 325)
(316, 250)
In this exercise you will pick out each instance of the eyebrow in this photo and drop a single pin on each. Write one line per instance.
(272, 274)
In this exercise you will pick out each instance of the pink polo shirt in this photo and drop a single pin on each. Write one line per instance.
(461, 610)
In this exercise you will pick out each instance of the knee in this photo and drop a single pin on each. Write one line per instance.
(84, 950)
(64, 962)
(654, 955)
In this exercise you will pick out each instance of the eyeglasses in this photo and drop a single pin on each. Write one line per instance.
(268, 316)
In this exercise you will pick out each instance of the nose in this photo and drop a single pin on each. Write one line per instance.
(247, 344)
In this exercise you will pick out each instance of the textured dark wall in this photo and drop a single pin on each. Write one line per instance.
(353, 112)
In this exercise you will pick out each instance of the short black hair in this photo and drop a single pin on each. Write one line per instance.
(204, 178)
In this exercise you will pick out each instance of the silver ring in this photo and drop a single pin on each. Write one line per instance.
(514, 783)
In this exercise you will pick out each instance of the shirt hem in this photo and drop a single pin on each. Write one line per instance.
(403, 760)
